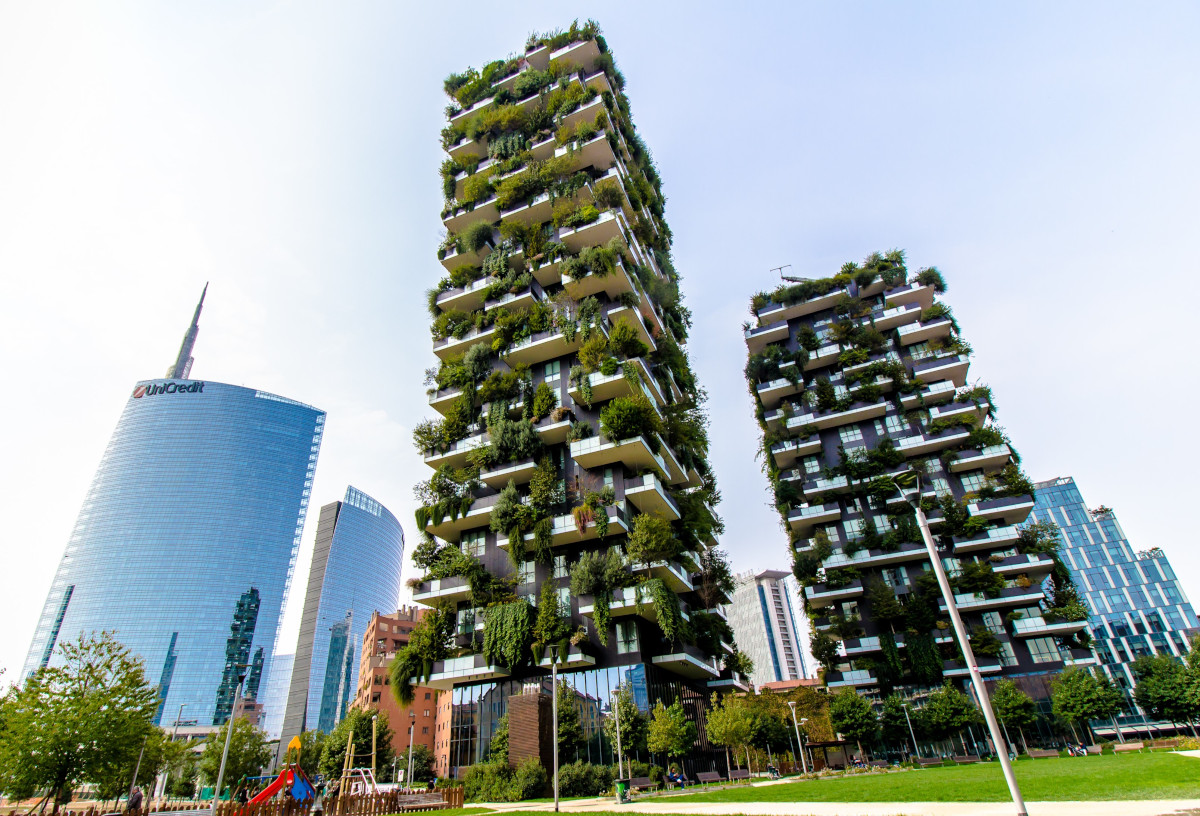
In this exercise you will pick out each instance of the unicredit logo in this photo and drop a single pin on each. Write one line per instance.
(168, 388)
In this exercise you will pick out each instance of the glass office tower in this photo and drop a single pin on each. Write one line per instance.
(186, 540)
(1138, 607)
(355, 572)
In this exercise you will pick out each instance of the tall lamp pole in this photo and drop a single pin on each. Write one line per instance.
(554, 706)
(799, 741)
(212, 809)
(913, 497)
(617, 713)
(374, 718)
(911, 733)
(412, 728)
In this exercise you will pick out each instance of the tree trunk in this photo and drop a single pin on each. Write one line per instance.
(1024, 744)
(728, 767)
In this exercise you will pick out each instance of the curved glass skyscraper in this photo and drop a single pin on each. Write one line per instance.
(357, 556)
(186, 540)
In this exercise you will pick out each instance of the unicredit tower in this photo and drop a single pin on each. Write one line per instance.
(185, 543)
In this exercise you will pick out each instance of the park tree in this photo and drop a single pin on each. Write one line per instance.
(312, 743)
(82, 718)
(1013, 708)
(498, 746)
(728, 724)
(893, 722)
(853, 718)
(422, 766)
(249, 753)
(357, 722)
(947, 712)
(634, 725)
(1162, 688)
(670, 732)
(1077, 697)
(570, 727)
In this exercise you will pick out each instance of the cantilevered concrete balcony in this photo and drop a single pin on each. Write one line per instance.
(890, 318)
(823, 356)
(614, 284)
(442, 401)
(803, 519)
(910, 293)
(635, 453)
(648, 494)
(626, 602)
(758, 338)
(671, 573)
(596, 152)
(976, 412)
(456, 220)
(465, 148)
(835, 419)
(735, 681)
(575, 658)
(854, 647)
(822, 595)
(582, 53)
(994, 538)
(1010, 510)
(456, 455)
(448, 347)
(1034, 567)
(598, 233)
(987, 665)
(907, 553)
(551, 432)
(953, 368)
(634, 318)
(773, 392)
(991, 458)
(440, 590)
(543, 346)
(536, 210)
(565, 530)
(465, 298)
(786, 453)
(687, 660)
(459, 670)
(609, 386)
(773, 312)
(479, 515)
(920, 332)
(929, 395)
(516, 472)
(1012, 596)
(858, 678)
(817, 488)
(924, 444)
(1040, 627)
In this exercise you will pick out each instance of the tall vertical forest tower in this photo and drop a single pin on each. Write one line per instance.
(571, 501)
(858, 378)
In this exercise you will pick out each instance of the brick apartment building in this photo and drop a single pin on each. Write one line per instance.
(385, 635)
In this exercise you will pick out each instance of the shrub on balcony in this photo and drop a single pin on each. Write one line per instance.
(627, 417)
(475, 237)
(651, 539)
(666, 607)
(840, 578)
(544, 401)
(979, 577)
(580, 430)
(427, 643)
(623, 340)
(509, 633)
(598, 573)
(984, 643)
(930, 276)
(824, 650)
(941, 424)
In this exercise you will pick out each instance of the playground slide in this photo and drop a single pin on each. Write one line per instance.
(273, 788)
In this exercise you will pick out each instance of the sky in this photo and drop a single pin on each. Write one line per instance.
(1043, 156)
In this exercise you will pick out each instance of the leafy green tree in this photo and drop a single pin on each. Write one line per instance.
(634, 725)
(947, 712)
(1079, 697)
(1013, 707)
(422, 764)
(498, 747)
(570, 727)
(552, 627)
(852, 717)
(670, 731)
(893, 722)
(249, 753)
(728, 724)
(83, 718)
(1162, 688)
(358, 722)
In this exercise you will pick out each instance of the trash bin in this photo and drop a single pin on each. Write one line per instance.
(622, 791)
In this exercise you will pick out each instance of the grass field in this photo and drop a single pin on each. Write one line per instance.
(1129, 776)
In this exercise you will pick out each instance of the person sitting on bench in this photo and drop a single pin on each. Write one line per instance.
(674, 777)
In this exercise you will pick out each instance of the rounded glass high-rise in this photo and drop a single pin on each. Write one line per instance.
(186, 541)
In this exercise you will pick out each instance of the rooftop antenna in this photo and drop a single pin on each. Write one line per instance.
(788, 278)
(183, 363)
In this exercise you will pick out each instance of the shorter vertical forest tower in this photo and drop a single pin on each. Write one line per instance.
(571, 501)
(858, 378)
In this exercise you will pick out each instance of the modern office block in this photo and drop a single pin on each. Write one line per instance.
(858, 378)
(185, 541)
(570, 427)
(275, 693)
(766, 626)
(355, 571)
(1137, 605)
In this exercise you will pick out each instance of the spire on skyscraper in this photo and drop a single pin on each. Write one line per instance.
(183, 363)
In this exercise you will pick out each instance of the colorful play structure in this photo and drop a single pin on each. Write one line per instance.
(292, 779)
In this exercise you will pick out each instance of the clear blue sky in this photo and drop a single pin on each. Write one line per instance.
(1042, 155)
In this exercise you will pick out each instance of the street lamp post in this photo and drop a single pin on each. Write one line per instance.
(212, 809)
(554, 706)
(412, 727)
(911, 733)
(799, 740)
(960, 631)
(374, 718)
(617, 713)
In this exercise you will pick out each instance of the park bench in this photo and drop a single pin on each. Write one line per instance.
(1127, 747)
(878, 763)
(708, 777)
(1042, 753)
(413, 803)
(739, 773)
(1163, 743)
(1094, 750)
(926, 762)
(966, 759)
(639, 783)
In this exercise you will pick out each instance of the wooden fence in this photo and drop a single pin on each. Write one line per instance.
(375, 804)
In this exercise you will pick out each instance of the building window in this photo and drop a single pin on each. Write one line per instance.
(552, 369)
(1043, 650)
(920, 351)
(428, 695)
(1007, 656)
(627, 637)
(850, 433)
(974, 481)
(425, 729)
(526, 574)
(812, 464)
(474, 543)
(895, 424)
(560, 566)
(940, 486)
(427, 712)
(854, 528)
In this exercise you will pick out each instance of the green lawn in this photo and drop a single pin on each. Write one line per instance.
(1129, 776)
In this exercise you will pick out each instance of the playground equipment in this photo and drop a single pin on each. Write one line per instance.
(292, 779)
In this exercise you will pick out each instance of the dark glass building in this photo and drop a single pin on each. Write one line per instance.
(355, 571)
(186, 539)
(1137, 605)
